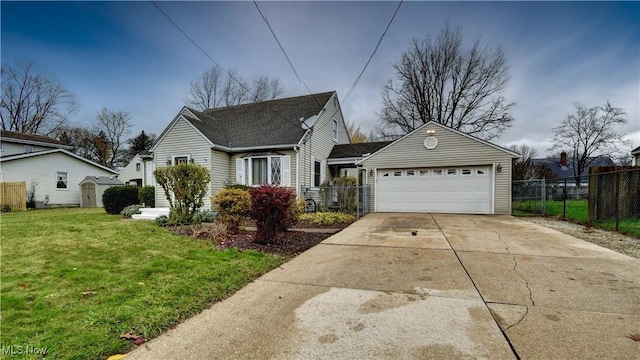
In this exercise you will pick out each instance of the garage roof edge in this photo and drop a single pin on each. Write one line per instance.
(497, 147)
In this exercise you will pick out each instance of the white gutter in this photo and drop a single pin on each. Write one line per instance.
(296, 149)
(252, 148)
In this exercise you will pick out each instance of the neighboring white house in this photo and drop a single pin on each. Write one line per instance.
(47, 163)
(139, 172)
(635, 153)
(92, 188)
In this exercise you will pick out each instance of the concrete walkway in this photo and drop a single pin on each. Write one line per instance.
(464, 287)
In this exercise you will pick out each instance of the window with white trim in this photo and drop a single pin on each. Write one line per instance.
(181, 159)
(62, 180)
(335, 130)
(137, 166)
(317, 170)
(317, 173)
(262, 170)
(28, 149)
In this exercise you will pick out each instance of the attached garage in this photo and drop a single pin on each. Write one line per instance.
(440, 170)
(465, 189)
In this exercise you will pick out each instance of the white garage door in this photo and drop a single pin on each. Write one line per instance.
(445, 190)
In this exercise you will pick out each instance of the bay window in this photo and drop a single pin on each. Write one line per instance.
(262, 170)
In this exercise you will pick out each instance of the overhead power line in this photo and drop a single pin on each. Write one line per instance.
(203, 51)
(373, 53)
(273, 33)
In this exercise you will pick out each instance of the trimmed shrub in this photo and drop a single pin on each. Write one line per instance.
(184, 186)
(272, 207)
(327, 218)
(162, 220)
(130, 210)
(205, 216)
(116, 198)
(233, 206)
(147, 196)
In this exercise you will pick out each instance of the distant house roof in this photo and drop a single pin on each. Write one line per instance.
(53, 151)
(103, 180)
(635, 151)
(266, 123)
(31, 139)
(554, 165)
(356, 150)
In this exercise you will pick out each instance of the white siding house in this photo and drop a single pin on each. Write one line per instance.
(438, 169)
(274, 142)
(57, 173)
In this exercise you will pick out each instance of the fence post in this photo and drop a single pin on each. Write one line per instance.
(357, 202)
(564, 200)
(544, 197)
(617, 200)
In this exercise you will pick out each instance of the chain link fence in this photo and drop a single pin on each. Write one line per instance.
(609, 197)
(529, 197)
(348, 199)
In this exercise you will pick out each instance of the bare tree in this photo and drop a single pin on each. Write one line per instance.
(265, 89)
(440, 81)
(523, 168)
(33, 103)
(355, 134)
(206, 92)
(115, 125)
(217, 87)
(589, 132)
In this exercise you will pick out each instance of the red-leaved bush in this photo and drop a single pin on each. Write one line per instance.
(272, 207)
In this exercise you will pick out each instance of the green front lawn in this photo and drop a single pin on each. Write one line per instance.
(577, 210)
(74, 280)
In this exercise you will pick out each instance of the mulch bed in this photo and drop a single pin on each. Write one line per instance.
(291, 243)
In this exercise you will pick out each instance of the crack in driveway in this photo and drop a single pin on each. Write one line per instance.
(526, 282)
(515, 353)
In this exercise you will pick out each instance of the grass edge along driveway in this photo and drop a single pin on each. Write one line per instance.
(74, 280)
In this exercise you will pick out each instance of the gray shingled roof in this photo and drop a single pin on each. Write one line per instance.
(356, 150)
(636, 151)
(554, 165)
(29, 137)
(274, 122)
(104, 180)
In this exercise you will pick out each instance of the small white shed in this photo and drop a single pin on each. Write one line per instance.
(92, 188)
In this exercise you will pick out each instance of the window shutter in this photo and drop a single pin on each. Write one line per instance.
(286, 170)
(240, 171)
(323, 171)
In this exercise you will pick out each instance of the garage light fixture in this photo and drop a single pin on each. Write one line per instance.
(430, 132)
(498, 167)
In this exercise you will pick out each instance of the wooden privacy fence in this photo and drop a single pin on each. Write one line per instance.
(614, 193)
(14, 194)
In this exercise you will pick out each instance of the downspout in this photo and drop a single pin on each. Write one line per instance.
(297, 150)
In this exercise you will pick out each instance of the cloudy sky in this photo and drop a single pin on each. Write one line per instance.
(129, 56)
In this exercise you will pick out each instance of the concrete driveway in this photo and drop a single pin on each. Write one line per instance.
(464, 287)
